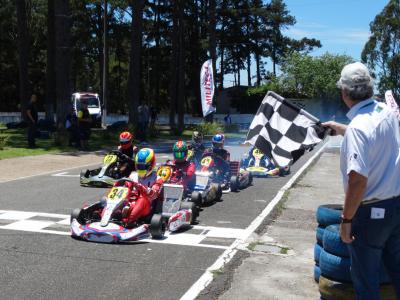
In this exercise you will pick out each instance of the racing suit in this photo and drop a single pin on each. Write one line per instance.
(265, 162)
(183, 173)
(141, 202)
(198, 150)
(221, 159)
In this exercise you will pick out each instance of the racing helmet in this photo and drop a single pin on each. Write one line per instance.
(125, 140)
(145, 162)
(197, 137)
(218, 141)
(180, 151)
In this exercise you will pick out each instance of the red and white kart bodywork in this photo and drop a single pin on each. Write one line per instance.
(102, 221)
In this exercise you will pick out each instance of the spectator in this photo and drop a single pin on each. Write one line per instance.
(71, 124)
(84, 125)
(228, 119)
(153, 116)
(143, 121)
(32, 118)
(370, 166)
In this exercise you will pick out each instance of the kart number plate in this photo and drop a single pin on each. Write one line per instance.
(117, 193)
(109, 159)
(206, 161)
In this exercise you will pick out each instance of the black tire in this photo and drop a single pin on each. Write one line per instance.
(333, 243)
(192, 206)
(76, 214)
(332, 290)
(319, 234)
(250, 179)
(196, 198)
(157, 226)
(218, 189)
(317, 253)
(233, 184)
(329, 214)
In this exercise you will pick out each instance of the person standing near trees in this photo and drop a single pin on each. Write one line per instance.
(32, 118)
(84, 125)
(370, 167)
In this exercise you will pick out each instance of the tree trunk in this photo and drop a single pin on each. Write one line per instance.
(63, 58)
(23, 55)
(173, 66)
(157, 51)
(258, 69)
(213, 49)
(105, 63)
(221, 74)
(134, 79)
(100, 49)
(248, 69)
(50, 67)
(181, 71)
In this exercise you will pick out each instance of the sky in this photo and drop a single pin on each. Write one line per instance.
(342, 26)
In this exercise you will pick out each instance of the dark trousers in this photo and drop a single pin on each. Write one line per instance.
(377, 240)
(31, 134)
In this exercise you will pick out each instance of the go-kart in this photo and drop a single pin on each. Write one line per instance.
(109, 173)
(103, 222)
(175, 210)
(239, 179)
(199, 191)
(259, 165)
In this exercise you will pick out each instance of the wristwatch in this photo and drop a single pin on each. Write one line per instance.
(344, 220)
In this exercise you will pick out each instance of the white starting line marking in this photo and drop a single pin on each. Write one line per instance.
(22, 221)
(64, 174)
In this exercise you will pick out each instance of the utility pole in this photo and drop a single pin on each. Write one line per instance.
(105, 63)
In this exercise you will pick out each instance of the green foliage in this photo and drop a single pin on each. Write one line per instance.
(231, 128)
(305, 76)
(382, 51)
(3, 141)
(209, 128)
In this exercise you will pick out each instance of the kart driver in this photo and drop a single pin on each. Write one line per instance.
(127, 148)
(267, 163)
(220, 155)
(197, 146)
(183, 170)
(148, 190)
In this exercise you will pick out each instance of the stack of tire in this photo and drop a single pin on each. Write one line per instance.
(332, 259)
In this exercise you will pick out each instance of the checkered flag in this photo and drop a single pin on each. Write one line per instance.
(283, 131)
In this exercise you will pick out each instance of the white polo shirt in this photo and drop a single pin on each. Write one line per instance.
(371, 147)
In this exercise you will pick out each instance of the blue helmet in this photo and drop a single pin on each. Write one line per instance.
(218, 140)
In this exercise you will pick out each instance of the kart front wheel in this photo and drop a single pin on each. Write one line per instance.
(234, 184)
(191, 206)
(76, 214)
(157, 226)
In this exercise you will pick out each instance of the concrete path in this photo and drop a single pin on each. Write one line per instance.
(281, 260)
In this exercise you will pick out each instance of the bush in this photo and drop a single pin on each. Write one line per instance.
(3, 141)
(209, 128)
(231, 128)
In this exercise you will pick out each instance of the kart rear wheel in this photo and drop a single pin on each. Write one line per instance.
(234, 184)
(250, 179)
(76, 214)
(218, 191)
(196, 198)
(157, 226)
(192, 206)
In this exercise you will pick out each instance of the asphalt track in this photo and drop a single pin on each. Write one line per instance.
(39, 260)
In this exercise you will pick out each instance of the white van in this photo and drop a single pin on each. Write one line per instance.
(93, 104)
